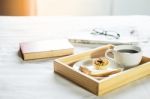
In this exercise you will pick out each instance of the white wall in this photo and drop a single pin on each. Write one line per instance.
(73, 7)
(131, 7)
(93, 7)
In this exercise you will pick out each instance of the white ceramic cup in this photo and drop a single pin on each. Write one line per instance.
(125, 55)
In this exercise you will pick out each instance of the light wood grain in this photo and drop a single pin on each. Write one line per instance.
(76, 77)
(63, 67)
(85, 55)
(123, 78)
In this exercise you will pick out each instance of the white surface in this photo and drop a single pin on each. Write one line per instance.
(93, 7)
(73, 7)
(35, 79)
(45, 45)
(131, 7)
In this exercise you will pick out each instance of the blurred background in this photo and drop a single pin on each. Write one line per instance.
(74, 7)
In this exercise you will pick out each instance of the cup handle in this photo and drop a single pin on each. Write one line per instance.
(107, 56)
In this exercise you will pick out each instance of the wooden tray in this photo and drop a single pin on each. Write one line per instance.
(63, 66)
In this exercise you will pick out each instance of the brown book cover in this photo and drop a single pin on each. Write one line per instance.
(45, 49)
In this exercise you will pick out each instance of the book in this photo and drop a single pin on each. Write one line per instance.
(105, 35)
(45, 49)
(101, 40)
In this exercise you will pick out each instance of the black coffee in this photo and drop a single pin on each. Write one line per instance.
(127, 51)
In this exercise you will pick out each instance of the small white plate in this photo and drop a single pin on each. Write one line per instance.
(89, 65)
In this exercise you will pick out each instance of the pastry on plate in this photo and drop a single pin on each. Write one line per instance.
(100, 63)
(105, 73)
(99, 73)
(85, 70)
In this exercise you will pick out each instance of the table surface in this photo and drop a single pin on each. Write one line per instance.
(36, 79)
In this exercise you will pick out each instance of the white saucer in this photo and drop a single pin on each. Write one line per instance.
(89, 65)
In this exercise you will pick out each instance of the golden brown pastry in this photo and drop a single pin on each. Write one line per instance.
(85, 70)
(100, 63)
(101, 73)
(105, 73)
